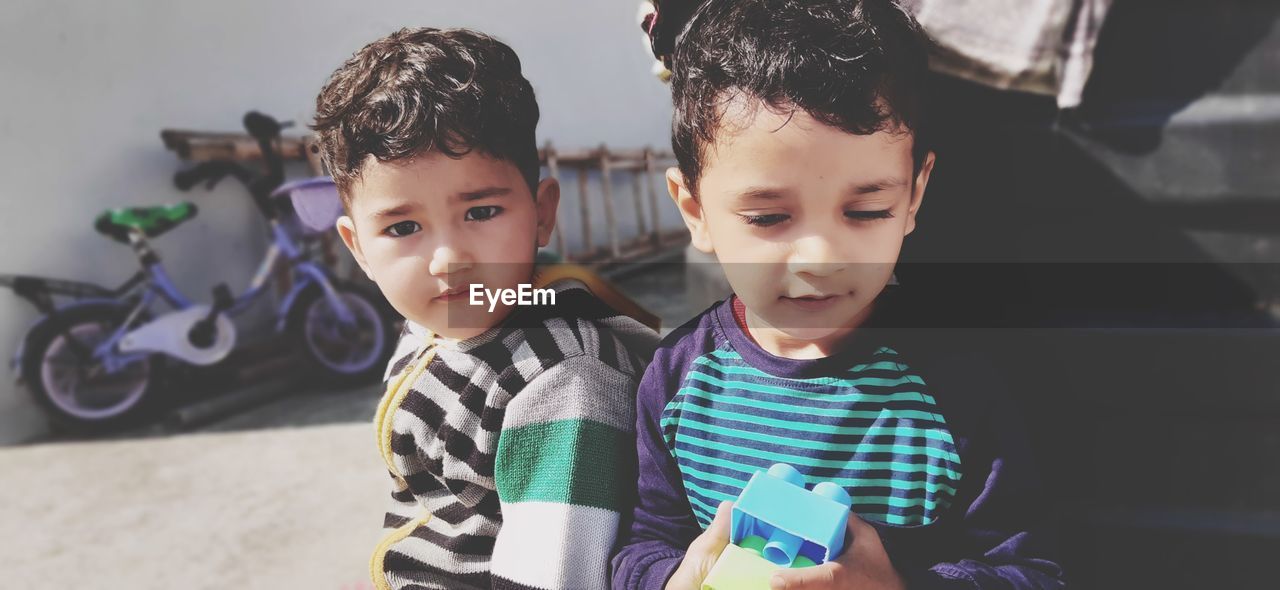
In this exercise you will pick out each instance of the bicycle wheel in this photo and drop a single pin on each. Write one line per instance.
(342, 353)
(77, 390)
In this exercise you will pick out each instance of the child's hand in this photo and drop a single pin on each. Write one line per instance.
(703, 552)
(863, 566)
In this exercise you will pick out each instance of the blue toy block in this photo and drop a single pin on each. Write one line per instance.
(794, 522)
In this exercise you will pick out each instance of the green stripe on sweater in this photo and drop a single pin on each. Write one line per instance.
(580, 462)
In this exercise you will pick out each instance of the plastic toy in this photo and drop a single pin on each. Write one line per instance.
(777, 523)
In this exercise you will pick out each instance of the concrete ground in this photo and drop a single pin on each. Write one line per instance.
(276, 508)
(287, 493)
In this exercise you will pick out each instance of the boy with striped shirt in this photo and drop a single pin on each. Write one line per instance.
(507, 429)
(802, 167)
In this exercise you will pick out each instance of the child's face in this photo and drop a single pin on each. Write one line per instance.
(425, 229)
(807, 221)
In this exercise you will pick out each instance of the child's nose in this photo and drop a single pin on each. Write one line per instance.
(814, 255)
(448, 259)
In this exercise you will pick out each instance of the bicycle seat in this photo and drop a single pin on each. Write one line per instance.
(151, 221)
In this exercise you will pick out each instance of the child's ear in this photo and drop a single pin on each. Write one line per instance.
(347, 230)
(690, 210)
(917, 191)
(546, 203)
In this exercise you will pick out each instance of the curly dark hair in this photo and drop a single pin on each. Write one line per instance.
(857, 65)
(452, 90)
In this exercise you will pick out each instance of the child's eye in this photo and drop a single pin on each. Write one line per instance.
(402, 229)
(765, 220)
(869, 215)
(484, 213)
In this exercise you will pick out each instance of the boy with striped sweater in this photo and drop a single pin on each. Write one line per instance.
(507, 429)
(802, 167)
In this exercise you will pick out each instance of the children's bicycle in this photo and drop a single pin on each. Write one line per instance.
(93, 362)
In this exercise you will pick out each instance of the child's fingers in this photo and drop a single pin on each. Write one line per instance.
(819, 576)
(705, 550)
(712, 541)
(719, 528)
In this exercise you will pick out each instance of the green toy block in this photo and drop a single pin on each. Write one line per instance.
(739, 569)
(743, 568)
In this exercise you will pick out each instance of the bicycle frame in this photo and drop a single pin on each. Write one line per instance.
(159, 286)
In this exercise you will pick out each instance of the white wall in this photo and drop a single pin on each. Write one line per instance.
(87, 86)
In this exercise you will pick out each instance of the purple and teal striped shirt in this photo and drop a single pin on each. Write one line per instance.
(918, 434)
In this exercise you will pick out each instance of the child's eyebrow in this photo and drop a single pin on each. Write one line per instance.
(396, 211)
(760, 193)
(475, 195)
(864, 188)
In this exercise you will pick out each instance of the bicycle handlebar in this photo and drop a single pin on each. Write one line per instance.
(211, 173)
(185, 179)
(261, 126)
(264, 129)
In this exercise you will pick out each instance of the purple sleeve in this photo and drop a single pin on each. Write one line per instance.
(1004, 538)
(662, 526)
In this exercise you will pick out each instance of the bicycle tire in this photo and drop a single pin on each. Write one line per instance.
(305, 326)
(38, 369)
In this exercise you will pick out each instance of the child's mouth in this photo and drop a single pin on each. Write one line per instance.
(452, 294)
(813, 302)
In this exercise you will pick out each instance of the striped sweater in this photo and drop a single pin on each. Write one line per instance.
(511, 453)
(913, 427)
